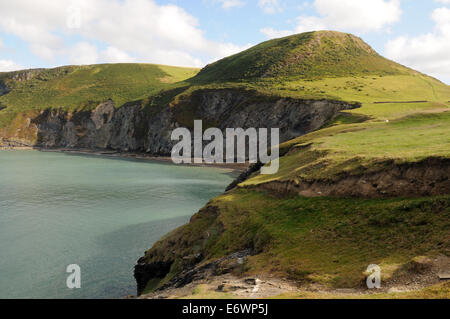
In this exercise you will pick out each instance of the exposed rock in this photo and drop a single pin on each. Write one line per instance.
(25, 75)
(195, 272)
(14, 144)
(250, 281)
(429, 177)
(227, 285)
(144, 272)
(244, 175)
(106, 127)
(420, 272)
(131, 129)
(4, 89)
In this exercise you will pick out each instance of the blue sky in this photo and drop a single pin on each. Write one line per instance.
(47, 33)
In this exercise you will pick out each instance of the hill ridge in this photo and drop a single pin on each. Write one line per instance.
(305, 55)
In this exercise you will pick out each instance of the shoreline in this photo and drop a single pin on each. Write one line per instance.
(233, 168)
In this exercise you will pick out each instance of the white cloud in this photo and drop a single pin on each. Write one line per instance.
(428, 53)
(83, 53)
(270, 6)
(227, 4)
(356, 15)
(138, 30)
(349, 15)
(311, 23)
(114, 55)
(42, 43)
(444, 1)
(9, 65)
(272, 33)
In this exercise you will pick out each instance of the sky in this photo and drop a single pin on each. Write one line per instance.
(48, 33)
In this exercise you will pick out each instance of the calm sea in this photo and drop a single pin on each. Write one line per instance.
(99, 213)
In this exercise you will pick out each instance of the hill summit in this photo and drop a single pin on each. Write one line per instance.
(306, 55)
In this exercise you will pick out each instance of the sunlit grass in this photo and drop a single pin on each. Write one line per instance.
(330, 241)
(84, 87)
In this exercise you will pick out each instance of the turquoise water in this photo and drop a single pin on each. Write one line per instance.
(100, 213)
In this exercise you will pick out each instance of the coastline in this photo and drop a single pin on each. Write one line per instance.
(106, 210)
(232, 168)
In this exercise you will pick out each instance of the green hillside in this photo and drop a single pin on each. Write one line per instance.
(327, 65)
(404, 118)
(327, 241)
(314, 65)
(318, 240)
(307, 55)
(76, 87)
(404, 114)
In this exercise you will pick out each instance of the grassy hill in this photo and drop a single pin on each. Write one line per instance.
(319, 240)
(326, 241)
(84, 87)
(308, 55)
(314, 65)
(327, 65)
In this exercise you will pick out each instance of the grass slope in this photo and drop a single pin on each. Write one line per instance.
(307, 55)
(351, 147)
(328, 65)
(405, 117)
(77, 87)
(329, 241)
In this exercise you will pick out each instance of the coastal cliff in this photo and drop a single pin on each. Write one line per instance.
(359, 183)
(132, 128)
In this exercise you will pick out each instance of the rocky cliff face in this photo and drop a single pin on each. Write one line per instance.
(4, 89)
(106, 127)
(130, 128)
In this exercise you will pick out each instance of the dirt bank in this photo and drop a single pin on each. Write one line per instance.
(428, 177)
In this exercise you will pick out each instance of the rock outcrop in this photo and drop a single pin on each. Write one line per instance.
(428, 177)
(4, 89)
(131, 128)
